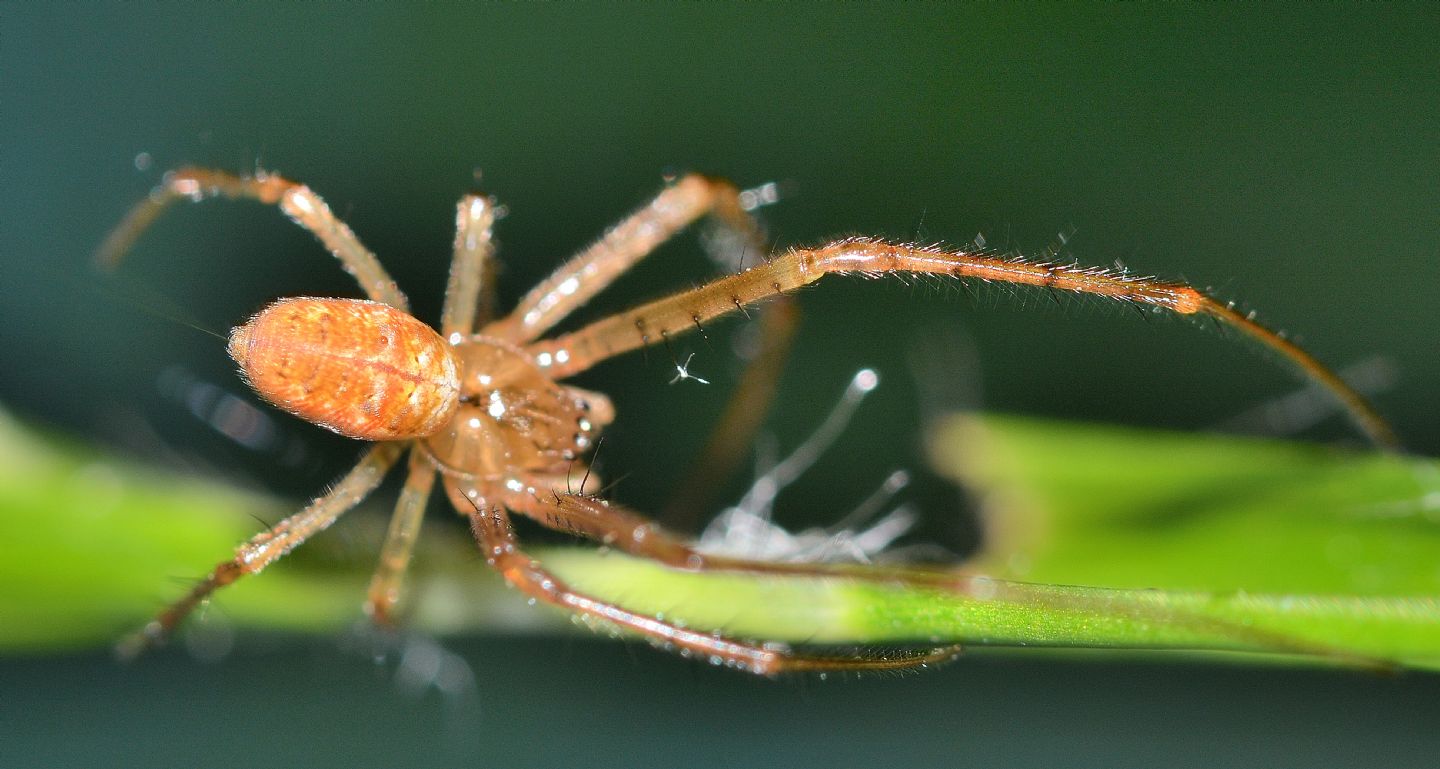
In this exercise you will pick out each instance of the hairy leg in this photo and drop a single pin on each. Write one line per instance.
(497, 541)
(629, 241)
(469, 292)
(272, 544)
(614, 525)
(303, 206)
(386, 584)
(660, 320)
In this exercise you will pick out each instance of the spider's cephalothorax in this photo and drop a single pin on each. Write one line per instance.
(514, 423)
(480, 401)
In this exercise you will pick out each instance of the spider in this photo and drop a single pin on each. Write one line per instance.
(481, 402)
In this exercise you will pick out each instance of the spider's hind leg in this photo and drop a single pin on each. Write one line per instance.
(270, 545)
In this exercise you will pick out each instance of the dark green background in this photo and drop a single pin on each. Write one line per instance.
(1288, 160)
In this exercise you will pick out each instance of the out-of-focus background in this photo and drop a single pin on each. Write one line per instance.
(1286, 160)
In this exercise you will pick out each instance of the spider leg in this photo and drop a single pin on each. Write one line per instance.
(270, 545)
(469, 294)
(572, 353)
(613, 525)
(386, 584)
(497, 540)
(629, 241)
(297, 201)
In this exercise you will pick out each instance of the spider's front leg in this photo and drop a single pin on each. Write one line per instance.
(297, 201)
(271, 545)
(497, 540)
(470, 292)
(660, 320)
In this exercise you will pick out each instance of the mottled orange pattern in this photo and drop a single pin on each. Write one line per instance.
(363, 369)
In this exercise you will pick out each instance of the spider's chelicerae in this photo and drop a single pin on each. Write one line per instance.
(481, 403)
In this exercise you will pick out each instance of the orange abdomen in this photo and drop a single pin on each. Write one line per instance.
(363, 369)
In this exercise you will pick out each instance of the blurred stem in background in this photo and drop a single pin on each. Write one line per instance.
(1186, 542)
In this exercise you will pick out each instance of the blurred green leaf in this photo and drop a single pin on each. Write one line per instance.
(1248, 545)
(1117, 507)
